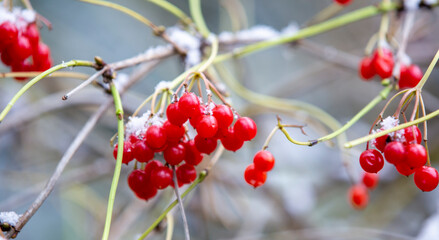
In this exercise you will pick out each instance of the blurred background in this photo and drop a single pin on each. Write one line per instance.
(304, 196)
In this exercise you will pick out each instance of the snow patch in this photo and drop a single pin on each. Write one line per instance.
(9, 217)
(121, 80)
(411, 4)
(188, 42)
(137, 125)
(162, 85)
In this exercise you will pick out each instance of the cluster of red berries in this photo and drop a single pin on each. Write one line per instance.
(343, 2)
(211, 122)
(256, 173)
(21, 48)
(405, 152)
(382, 63)
(358, 194)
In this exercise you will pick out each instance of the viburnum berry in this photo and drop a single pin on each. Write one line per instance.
(380, 142)
(142, 152)
(193, 156)
(230, 141)
(175, 116)
(173, 132)
(404, 169)
(207, 126)
(32, 34)
(426, 178)
(245, 128)
(370, 180)
(205, 145)
(409, 76)
(189, 104)
(155, 137)
(174, 154)
(186, 173)
(371, 161)
(8, 34)
(358, 196)
(263, 161)
(21, 66)
(383, 62)
(21, 48)
(395, 152)
(254, 177)
(7, 57)
(127, 152)
(151, 165)
(367, 70)
(196, 116)
(343, 2)
(416, 155)
(138, 181)
(412, 136)
(161, 177)
(41, 53)
(223, 115)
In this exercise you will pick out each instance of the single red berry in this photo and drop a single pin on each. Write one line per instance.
(367, 70)
(205, 145)
(8, 34)
(410, 137)
(175, 116)
(147, 192)
(174, 154)
(142, 152)
(186, 173)
(151, 166)
(409, 76)
(196, 116)
(230, 141)
(155, 137)
(395, 152)
(127, 152)
(189, 104)
(173, 132)
(207, 126)
(380, 142)
(245, 128)
(426, 178)
(193, 156)
(358, 196)
(33, 34)
(263, 161)
(161, 177)
(383, 62)
(404, 169)
(223, 115)
(370, 180)
(136, 179)
(343, 2)
(43, 65)
(416, 155)
(21, 66)
(41, 53)
(371, 161)
(254, 177)
(21, 48)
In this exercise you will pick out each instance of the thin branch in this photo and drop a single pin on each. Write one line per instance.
(187, 236)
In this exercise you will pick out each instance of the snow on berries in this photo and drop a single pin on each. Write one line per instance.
(21, 47)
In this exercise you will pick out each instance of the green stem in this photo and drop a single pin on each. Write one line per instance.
(26, 87)
(197, 15)
(174, 10)
(428, 72)
(382, 96)
(200, 178)
(212, 56)
(120, 143)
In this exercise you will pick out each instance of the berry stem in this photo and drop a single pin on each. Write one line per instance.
(85, 83)
(180, 204)
(141, 106)
(270, 136)
(65, 74)
(185, 19)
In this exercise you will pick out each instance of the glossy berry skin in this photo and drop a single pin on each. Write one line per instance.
(383, 62)
(207, 126)
(189, 104)
(371, 161)
(343, 2)
(409, 76)
(193, 156)
(127, 152)
(395, 152)
(33, 35)
(410, 137)
(263, 161)
(245, 128)
(205, 145)
(367, 70)
(404, 169)
(8, 34)
(174, 154)
(142, 152)
(21, 48)
(186, 173)
(254, 177)
(223, 115)
(426, 178)
(416, 155)
(370, 180)
(41, 53)
(175, 116)
(173, 132)
(21, 66)
(381, 142)
(230, 141)
(358, 196)
(196, 116)
(139, 182)
(151, 166)
(161, 177)
(155, 137)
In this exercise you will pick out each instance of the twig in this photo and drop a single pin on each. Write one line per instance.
(180, 204)
(85, 83)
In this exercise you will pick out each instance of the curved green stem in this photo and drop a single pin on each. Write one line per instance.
(200, 178)
(120, 143)
(213, 54)
(26, 87)
(197, 15)
(174, 10)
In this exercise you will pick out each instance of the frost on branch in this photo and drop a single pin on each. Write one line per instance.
(187, 42)
(121, 80)
(9, 217)
(257, 33)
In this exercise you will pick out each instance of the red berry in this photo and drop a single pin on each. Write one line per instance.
(8, 34)
(409, 76)
(371, 161)
(142, 152)
(230, 141)
(151, 166)
(263, 161)
(41, 53)
(395, 152)
(33, 35)
(193, 156)
(245, 128)
(380, 142)
(161, 177)
(136, 179)
(410, 137)
(43, 65)
(196, 116)
(370, 180)
(223, 115)
(207, 126)
(155, 137)
(7, 57)
(426, 178)
(127, 153)
(174, 154)
(189, 104)
(186, 173)
(175, 116)
(404, 169)
(22, 66)
(173, 132)
(21, 48)
(343, 2)
(416, 155)
(383, 62)
(358, 196)
(367, 70)
(205, 145)
(254, 177)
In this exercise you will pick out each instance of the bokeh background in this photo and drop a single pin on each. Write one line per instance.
(304, 196)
